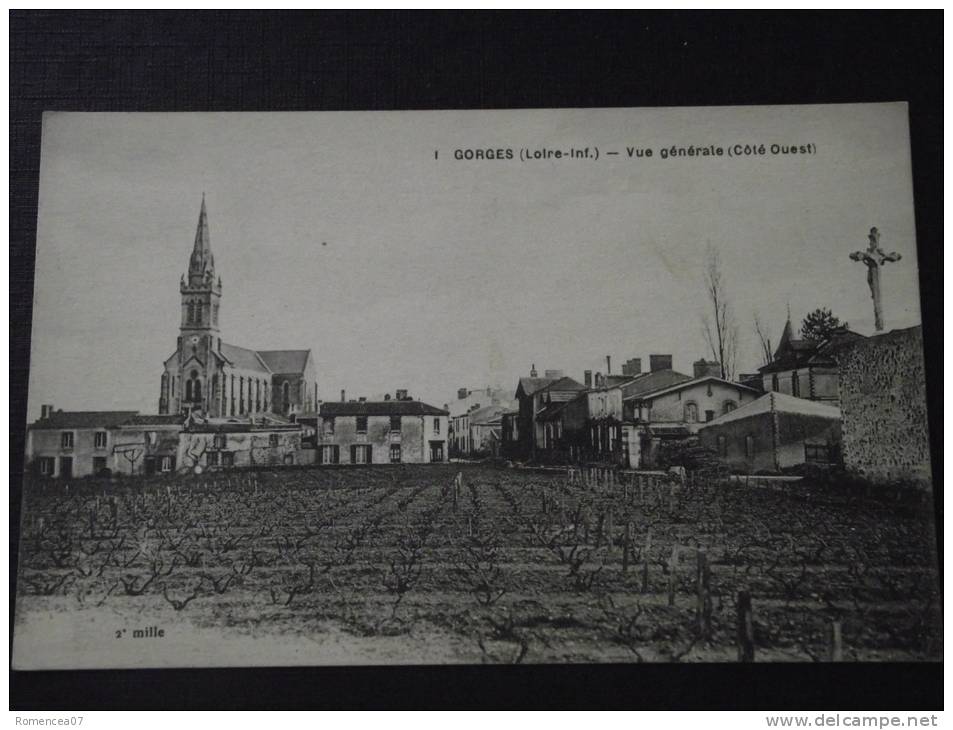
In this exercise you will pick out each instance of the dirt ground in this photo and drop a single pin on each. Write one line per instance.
(465, 564)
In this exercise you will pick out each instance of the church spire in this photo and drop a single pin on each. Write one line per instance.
(202, 263)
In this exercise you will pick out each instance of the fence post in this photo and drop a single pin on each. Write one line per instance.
(626, 546)
(745, 628)
(703, 608)
(837, 648)
(672, 569)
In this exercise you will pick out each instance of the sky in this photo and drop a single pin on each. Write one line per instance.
(341, 232)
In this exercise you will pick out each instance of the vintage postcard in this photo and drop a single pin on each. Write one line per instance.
(539, 386)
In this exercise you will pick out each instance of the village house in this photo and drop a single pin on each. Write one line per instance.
(805, 368)
(73, 444)
(524, 434)
(475, 418)
(774, 432)
(396, 430)
(68, 444)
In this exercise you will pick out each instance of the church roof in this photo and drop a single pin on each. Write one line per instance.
(243, 358)
(380, 408)
(285, 361)
(202, 259)
(83, 419)
(151, 419)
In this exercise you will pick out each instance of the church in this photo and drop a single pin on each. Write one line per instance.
(211, 378)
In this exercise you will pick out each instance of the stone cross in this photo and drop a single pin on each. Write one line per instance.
(875, 258)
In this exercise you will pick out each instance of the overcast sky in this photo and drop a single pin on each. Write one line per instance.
(340, 232)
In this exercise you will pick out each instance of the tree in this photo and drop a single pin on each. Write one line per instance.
(819, 325)
(721, 330)
(767, 353)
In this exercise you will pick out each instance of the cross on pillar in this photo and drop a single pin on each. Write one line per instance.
(875, 258)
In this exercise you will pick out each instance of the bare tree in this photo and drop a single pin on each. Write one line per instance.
(721, 330)
(767, 352)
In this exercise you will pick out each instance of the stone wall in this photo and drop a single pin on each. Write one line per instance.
(883, 404)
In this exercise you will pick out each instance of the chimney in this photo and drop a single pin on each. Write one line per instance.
(362, 399)
(343, 399)
(532, 372)
(598, 380)
(46, 411)
(462, 393)
(608, 365)
(386, 396)
(554, 374)
(632, 366)
(704, 368)
(401, 395)
(660, 362)
(587, 378)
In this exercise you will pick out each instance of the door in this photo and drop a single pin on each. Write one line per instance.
(66, 467)
(436, 451)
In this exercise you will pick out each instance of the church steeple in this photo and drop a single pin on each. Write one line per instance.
(202, 262)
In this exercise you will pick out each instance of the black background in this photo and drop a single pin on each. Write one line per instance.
(177, 61)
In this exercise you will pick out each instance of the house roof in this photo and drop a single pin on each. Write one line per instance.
(381, 408)
(651, 381)
(243, 358)
(83, 419)
(151, 419)
(285, 361)
(532, 385)
(693, 382)
(565, 383)
(793, 354)
(486, 414)
(780, 403)
(551, 410)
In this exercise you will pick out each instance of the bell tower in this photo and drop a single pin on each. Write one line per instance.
(199, 337)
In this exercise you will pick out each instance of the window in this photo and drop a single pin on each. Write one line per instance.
(100, 440)
(774, 383)
(241, 396)
(99, 464)
(436, 425)
(211, 458)
(218, 441)
(47, 465)
(228, 458)
(395, 453)
(273, 440)
(257, 395)
(165, 465)
(66, 440)
(795, 384)
(285, 399)
(709, 416)
(329, 455)
(728, 406)
(709, 389)
(360, 454)
(691, 412)
(231, 394)
(817, 453)
(749, 447)
(395, 423)
(329, 425)
(362, 424)
(722, 446)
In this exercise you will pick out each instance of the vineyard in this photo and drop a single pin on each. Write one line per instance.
(482, 564)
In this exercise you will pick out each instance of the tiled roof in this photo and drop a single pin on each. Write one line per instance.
(531, 385)
(695, 381)
(285, 361)
(173, 419)
(243, 358)
(780, 403)
(381, 408)
(83, 419)
(565, 383)
(654, 380)
(551, 411)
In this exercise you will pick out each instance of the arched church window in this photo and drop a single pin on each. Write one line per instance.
(188, 390)
(285, 395)
(191, 313)
(197, 390)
